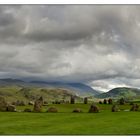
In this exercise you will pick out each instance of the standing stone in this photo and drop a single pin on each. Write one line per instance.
(52, 110)
(109, 101)
(100, 102)
(134, 107)
(22, 103)
(105, 101)
(62, 101)
(27, 110)
(45, 102)
(77, 110)
(17, 103)
(93, 109)
(13, 103)
(38, 105)
(11, 108)
(72, 100)
(85, 100)
(3, 104)
(31, 103)
(114, 108)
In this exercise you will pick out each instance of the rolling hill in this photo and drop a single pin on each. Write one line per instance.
(120, 92)
(13, 93)
(15, 89)
(79, 89)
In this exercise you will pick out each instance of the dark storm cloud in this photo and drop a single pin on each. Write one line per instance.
(97, 45)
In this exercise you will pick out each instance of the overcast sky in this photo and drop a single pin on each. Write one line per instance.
(95, 45)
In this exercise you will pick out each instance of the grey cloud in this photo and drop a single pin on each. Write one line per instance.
(97, 45)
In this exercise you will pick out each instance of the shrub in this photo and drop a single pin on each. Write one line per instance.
(31, 103)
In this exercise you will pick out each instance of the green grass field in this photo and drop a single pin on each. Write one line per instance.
(67, 123)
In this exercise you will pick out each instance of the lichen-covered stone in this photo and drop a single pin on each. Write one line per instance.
(72, 100)
(3, 104)
(109, 101)
(38, 105)
(52, 109)
(114, 108)
(134, 107)
(85, 100)
(77, 110)
(94, 109)
(11, 108)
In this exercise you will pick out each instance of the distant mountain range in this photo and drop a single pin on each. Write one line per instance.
(120, 92)
(79, 88)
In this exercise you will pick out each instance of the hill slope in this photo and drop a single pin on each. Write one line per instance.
(79, 88)
(26, 94)
(120, 92)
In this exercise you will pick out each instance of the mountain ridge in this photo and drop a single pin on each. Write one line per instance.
(80, 88)
(120, 92)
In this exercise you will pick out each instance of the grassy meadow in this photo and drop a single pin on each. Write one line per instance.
(67, 123)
